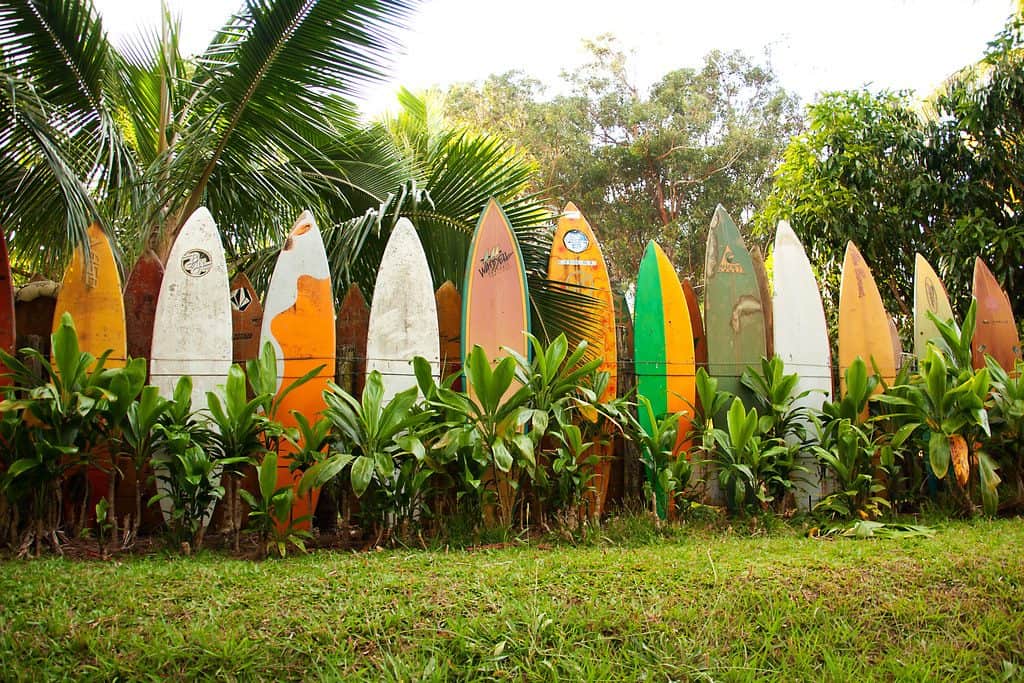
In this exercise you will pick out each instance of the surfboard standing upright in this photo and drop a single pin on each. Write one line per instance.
(801, 341)
(8, 334)
(995, 333)
(576, 260)
(350, 341)
(246, 320)
(141, 292)
(298, 320)
(663, 351)
(733, 313)
(192, 325)
(403, 316)
(495, 307)
(929, 297)
(449, 329)
(864, 324)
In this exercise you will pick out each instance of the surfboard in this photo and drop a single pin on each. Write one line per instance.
(995, 332)
(864, 324)
(733, 311)
(8, 335)
(34, 304)
(663, 353)
(700, 340)
(576, 260)
(140, 295)
(246, 320)
(449, 328)
(801, 341)
(91, 293)
(765, 288)
(625, 449)
(495, 303)
(351, 330)
(929, 296)
(192, 325)
(403, 315)
(298, 320)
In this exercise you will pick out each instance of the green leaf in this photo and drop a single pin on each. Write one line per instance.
(938, 454)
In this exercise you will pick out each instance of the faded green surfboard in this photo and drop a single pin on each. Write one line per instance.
(733, 315)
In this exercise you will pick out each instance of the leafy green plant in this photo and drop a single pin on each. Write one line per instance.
(753, 470)
(140, 440)
(664, 472)
(781, 416)
(187, 476)
(1006, 419)
(59, 415)
(104, 527)
(845, 451)
(271, 512)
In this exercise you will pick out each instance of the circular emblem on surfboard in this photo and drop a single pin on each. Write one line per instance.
(196, 262)
(575, 241)
(240, 299)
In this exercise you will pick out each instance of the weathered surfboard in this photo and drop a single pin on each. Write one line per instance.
(495, 302)
(733, 311)
(246, 320)
(864, 324)
(663, 351)
(576, 260)
(623, 478)
(765, 288)
(995, 332)
(140, 296)
(351, 330)
(929, 297)
(91, 293)
(449, 328)
(403, 315)
(298, 320)
(801, 341)
(192, 326)
(700, 340)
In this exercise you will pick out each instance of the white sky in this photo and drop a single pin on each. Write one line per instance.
(813, 45)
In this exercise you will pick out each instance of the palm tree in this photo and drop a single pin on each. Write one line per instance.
(138, 138)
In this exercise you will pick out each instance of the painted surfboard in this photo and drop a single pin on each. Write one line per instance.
(733, 312)
(141, 292)
(351, 330)
(403, 315)
(929, 297)
(495, 302)
(8, 335)
(700, 340)
(864, 324)
(91, 293)
(298, 320)
(801, 341)
(995, 332)
(246, 320)
(449, 328)
(765, 288)
(192, 326)
(576, 260)
(663, 352)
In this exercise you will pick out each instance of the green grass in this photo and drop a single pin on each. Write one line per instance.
(715, 605)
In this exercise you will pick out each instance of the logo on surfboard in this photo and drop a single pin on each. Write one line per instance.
(240, 299)
(575, 241)
(196, 262)
(728, 263)
(493, 262)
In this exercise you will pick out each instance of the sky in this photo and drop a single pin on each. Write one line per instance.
(813, 45)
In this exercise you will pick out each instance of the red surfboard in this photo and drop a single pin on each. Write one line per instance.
(140, 295)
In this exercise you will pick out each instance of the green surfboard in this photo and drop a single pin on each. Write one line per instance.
(733, 315)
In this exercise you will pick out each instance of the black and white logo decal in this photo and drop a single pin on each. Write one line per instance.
(196, 262)
(240, 299)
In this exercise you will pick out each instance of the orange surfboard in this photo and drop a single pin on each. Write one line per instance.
(495, 304)
(995, 332)
(576, 260)
(449, 327)
(864, 326)
(299, 322)
(91, 293)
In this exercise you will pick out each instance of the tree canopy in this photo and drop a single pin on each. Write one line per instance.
(644, 164)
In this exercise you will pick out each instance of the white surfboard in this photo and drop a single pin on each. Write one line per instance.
(403, 315)
(192, 325)
(801, 339)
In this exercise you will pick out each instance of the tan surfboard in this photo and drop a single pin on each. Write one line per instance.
(864, 326)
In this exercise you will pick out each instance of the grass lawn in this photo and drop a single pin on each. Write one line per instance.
(697, 605)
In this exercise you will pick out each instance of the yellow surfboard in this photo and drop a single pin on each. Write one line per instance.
(91, 293)
(577, 261)
(864, 325)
